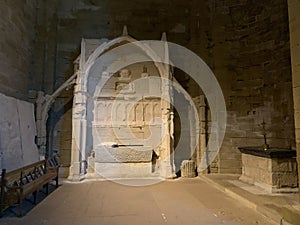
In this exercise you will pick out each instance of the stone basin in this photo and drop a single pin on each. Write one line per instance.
(269, 153)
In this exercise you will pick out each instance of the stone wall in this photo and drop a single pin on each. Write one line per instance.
(250, 52)
(17, 25)
(294, 18)
(45, 45)
(246, 43)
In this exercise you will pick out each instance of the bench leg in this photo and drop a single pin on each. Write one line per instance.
(2, 198)
(1, 211)
(1, 208)
(47, 188)
(56, 181)
(34, 197)
(20, 208)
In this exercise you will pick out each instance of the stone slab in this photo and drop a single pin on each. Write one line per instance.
(17, 133)
(291, 213)
(123, 170)
(106, 154)
(270, 153)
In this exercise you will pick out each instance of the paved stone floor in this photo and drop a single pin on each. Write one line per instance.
(181, 201)
(263, 202)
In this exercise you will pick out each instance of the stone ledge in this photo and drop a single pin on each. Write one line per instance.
(270, 153)
(271, 209)
(267, 187)
(291, 213)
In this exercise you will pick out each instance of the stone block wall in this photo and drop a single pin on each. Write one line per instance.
(245, 43)
(294, 18)
(250, 52)
(17, 28)
(45, 45)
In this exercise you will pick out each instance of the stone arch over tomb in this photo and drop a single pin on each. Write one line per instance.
(91, 70)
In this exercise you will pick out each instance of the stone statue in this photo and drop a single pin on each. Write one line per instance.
(125, 75)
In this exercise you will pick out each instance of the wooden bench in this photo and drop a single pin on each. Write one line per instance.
(19, 184)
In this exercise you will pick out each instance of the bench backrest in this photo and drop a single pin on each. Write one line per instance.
(23, 175)
(53, 162)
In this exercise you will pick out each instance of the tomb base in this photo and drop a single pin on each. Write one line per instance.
(274, 170)
(122, 162)
(123, 170)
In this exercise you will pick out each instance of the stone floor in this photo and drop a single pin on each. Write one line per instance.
(256, 198)
(180, 201)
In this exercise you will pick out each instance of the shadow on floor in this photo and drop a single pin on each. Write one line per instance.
(27, 205)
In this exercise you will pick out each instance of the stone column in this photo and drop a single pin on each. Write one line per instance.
(203, 132)
(167, 145)
(167, 167)
(79, 129)
(291, 214)
(41, 133)
(201, 153)
(193, 132)
(294, 19)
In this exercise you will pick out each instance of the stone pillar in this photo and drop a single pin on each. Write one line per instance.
(41, 133)
(201, 153)
(79, 129)
(167, 166)
(167, 161)
(290, 213)
(79, 122)
(91, 163)
(193, 132)
(294, 19)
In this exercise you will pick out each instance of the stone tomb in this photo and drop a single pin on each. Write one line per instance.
(123, 116)
(112, 161)
(122, 122)
(274, 170)
(122, 105)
